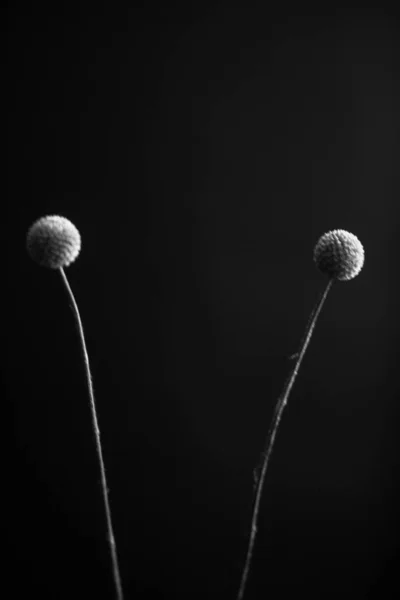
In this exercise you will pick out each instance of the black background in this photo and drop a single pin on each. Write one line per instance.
(201, 150)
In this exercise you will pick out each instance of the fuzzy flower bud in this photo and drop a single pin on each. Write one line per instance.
(53, 242)
(339, 254)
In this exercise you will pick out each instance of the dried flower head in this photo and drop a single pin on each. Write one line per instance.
(339, 254)
(53, 242)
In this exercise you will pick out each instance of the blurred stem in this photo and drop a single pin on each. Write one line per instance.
(111, 539)
(266, 455)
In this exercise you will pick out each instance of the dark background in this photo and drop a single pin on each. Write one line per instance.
(201, 150)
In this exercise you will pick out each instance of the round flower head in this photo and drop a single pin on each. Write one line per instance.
(53, 242)
(339, 254)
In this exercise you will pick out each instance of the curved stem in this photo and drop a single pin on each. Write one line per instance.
(111, 539)
(280, 405)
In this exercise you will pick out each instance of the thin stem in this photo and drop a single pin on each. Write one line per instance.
(111, 539)
(280, 405)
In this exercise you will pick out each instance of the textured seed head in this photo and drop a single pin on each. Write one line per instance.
(53, 242)
(339, 254)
